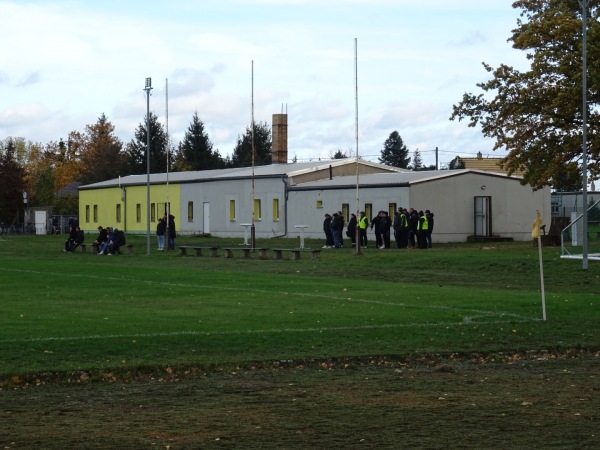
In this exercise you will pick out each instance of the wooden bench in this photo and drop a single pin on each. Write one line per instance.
(245, 251)
(129, 249)
(198, 250)
(296, 252)
(83, 248)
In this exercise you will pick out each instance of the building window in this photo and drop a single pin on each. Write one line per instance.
(87, 213)
(346, 211)
(275, 209)
(392, 209)
(190, 211)
(95, 213)
(118, 213)
(232, 210)
(369, 211)
(257, 211)
(153, 212)
(319, 203)
(138, 212)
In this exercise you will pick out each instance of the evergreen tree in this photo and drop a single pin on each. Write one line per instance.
(417, 161)
(457, 163)
(101, 156)
(135, 153)
(242, 153)
(196, 150)
(394, 152)
(12, 185)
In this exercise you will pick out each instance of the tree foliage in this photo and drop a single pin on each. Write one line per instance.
(394, 152)
(12, 185)
(536, 115)
(417, 161)
(456, 163)
(135, 162)
(101, 154)
(242, 153)
(196, 152)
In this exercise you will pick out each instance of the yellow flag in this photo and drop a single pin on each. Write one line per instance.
(535, 232)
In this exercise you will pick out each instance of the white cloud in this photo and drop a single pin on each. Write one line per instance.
(69, 62)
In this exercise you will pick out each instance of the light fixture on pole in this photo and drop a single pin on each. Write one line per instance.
(148, 88)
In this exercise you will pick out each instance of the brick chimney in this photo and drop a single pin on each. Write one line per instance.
(279, 135)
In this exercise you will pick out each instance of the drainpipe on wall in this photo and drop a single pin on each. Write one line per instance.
(285, 207)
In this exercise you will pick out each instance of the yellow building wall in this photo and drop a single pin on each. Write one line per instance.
(133, 207)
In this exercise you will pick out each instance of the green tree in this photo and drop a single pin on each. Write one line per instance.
(417, 161)
(44, 188)
(339, 154)
(135, 158)
(196, 152)
(536, 114)
(101, 155)
(12, 185)
(242, 153)
(457, 163)
(394, 152)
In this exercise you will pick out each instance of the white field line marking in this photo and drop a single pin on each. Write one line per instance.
(248, 332)
(479, 313)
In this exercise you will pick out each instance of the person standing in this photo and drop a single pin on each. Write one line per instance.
(363, 223)
(172, 233)
(422, 230)
(377, 225)
(386, 225)
(160, 234)
(336, 229)
(413, 224)
(351, 230)
(327, 231)
(429, 216)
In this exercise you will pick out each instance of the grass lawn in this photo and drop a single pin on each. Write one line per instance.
(421, 349)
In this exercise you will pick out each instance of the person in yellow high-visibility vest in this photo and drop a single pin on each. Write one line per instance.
(363, 223)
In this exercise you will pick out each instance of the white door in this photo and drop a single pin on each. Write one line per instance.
(40, 222)
(206, 214)
(483, 219)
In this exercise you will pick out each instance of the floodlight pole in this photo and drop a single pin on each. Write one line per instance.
(148, 88)
(584, 224)
(357, 232)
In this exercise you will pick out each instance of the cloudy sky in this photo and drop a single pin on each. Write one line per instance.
(65, 62)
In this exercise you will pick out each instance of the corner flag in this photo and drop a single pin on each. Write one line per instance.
(535, 232)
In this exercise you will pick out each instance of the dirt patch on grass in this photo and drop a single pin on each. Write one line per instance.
(536, 400)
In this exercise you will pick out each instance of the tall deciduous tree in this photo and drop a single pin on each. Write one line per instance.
(242, 153)
(12, 185)
(537, 114)
(101, 155)
(196, 150)
(136, 149)
(394, 152)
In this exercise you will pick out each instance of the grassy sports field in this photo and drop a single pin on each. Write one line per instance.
(419, 349)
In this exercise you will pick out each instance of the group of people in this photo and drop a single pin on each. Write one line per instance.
(412, 229)
(109, 241)
(333, 226)
(161, 232)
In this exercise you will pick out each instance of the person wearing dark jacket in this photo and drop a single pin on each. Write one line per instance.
(327, 231)
(118, 242)
(102, 237)
(351, 229)
(337, 225)
(413, 225)
(386, 225)
(76, 238)
(160, 234)
(429, 216)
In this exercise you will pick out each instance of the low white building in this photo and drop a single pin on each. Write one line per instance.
(283, 196)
